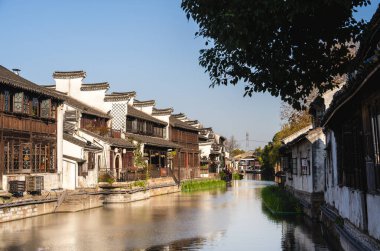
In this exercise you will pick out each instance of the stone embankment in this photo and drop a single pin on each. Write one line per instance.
(74, 201)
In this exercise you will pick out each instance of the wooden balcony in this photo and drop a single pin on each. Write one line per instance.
(27, 124)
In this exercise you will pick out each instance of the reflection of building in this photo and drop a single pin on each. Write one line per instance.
(29, 131)
(352, 125)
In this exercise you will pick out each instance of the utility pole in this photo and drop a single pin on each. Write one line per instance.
(247, 141)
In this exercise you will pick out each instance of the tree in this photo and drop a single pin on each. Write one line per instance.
(287, 48)
(236, 152)
(232, 144)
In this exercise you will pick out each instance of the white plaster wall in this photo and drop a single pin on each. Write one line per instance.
(318, 155)
(93, 99)
(373, 209)
(302, 182)
(205, 149)
(69, 86)
(348, 202)
(60, 114)
(90, 180)
(70, 167)
(72, 150)
(70, 170)
(107, 106)
(147, 109)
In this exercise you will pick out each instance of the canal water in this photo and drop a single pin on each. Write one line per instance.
(227, 219)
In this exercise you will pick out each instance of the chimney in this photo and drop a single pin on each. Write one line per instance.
(16, 71)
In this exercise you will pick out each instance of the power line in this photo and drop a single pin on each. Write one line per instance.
(254, 140)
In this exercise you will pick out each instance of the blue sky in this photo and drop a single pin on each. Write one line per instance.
(147, 46)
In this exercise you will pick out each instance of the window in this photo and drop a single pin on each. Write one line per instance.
(6, 157)
(45, 108)
(26, 156)
(26, 105)
(16, 158)
(35, 107)
(18, 101)
(22, 157)
(7, 101)
(285, 164)
(294, 166)
(375, 131)
(304, 166)
(91, 160)
(53, 110)
(351, 163)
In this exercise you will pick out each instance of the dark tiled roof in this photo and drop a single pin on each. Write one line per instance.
(118, 142)
(69, 74)
(119, 96)
(84, 108)
(9, 78)
(144, 103)
(180, 124)
(179, 115)
(166, 111)
(133, 112)
(95, 86)
(192, 122)
(81, 143)
(367, 61)
(153, 141)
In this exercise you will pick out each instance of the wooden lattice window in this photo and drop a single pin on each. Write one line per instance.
(294, 166)
(305, 166)
(375, 132)
(285, 164)
(45, 108)
(26, 157)
(35, 106)
(53, 111)
(26, 105)
(18, 99)
(6, 101)
(351, 164)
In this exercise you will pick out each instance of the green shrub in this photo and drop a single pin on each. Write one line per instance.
(140, 183)
(280, 201)
(222, 175)
(106, 178)
(236, 176)
(193, 185)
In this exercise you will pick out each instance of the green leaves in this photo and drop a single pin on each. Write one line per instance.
(286, 48)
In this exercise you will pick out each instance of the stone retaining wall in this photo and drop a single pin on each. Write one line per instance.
(143, 195)
(26, 211)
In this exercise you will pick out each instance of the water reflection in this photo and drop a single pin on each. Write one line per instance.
(229, 219)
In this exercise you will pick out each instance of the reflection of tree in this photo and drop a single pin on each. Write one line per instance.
(188, 244)
(300, 233)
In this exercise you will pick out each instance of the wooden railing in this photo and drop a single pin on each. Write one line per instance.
(27, 124)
